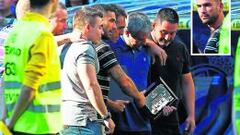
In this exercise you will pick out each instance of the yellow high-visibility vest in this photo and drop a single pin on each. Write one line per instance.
(43, 114)
(236, 95)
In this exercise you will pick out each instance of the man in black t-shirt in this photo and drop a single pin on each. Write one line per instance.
(176, 73)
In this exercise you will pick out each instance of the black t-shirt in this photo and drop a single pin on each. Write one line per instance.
(177, 64)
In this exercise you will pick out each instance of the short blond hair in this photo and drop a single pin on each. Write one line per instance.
(84, 16)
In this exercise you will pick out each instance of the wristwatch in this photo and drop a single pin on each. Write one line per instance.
(107, 116)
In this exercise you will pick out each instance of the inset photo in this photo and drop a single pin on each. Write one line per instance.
(211, 27)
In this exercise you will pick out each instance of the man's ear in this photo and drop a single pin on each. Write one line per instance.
(88, 27)
(221, 5)
(154, 25)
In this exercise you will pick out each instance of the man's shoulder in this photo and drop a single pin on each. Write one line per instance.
(82, 45)
(103, 48)
(178, 41)
(102, 45)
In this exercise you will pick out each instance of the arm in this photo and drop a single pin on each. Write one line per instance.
(189, 95)
(25, 98)
(62, 39)
(156, 50)
(89, 80)
(127, 85)
(69, 37)
(3, 110)
(88, 74)
(117, 105)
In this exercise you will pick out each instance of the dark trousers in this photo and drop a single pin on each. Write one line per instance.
(166, 130)
(131, 133)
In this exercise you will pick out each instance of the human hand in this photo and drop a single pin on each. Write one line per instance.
(110, 126)
(167, 110)
(119, 105)
(190, 124)
(156, 50)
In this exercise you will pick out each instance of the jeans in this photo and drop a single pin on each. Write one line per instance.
(131, 133)
(92, 128)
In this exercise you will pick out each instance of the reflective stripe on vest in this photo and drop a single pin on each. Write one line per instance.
(39, 108)
(236, 110)
(43, 88)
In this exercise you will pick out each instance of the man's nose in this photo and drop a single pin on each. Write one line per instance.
(114, 26)
(168, 37)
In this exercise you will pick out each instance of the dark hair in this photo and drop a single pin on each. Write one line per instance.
(38, 3)
(167, 14)
(85, 15)
(104, 8)
(119, 10)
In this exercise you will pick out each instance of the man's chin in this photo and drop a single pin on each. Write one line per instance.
(163, 44)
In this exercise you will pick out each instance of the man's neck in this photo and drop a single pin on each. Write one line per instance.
(217, 23)
(45, 11)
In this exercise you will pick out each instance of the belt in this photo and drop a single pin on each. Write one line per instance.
(67, 126)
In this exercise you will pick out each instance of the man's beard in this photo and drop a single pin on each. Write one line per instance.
(164, 43)
(211, 20)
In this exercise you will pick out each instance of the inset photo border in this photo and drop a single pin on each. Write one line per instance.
(210, 29)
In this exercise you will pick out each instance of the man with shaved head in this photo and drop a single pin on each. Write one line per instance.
(211, 14)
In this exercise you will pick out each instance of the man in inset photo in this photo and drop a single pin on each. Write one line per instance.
(211, 13)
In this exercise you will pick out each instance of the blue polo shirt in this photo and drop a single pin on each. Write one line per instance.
(136, 63)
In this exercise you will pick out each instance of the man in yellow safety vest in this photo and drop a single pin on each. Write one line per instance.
(32, 73)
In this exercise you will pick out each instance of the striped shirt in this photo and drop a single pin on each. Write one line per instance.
(213, 42)
(107, 60)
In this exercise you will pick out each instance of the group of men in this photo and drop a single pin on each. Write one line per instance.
(105, 43)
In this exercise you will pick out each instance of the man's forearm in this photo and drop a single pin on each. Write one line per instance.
(129, 87)
(2, 104)
(189, 94)
(26, 96)
(126, 84)
(95, 97)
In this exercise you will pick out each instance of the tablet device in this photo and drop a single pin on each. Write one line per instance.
(157, 96)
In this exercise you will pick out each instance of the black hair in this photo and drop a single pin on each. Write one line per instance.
(38, 3)
(168, 14)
